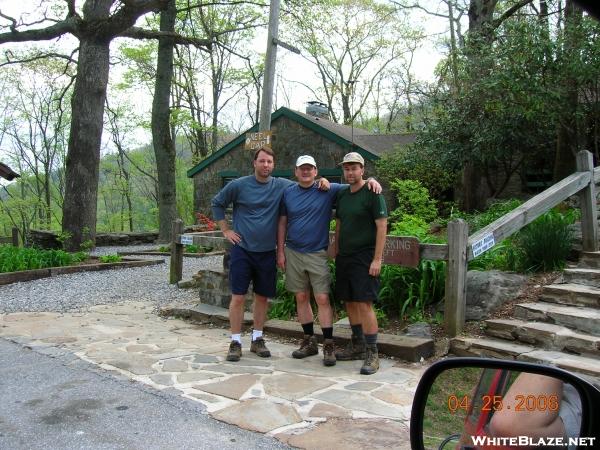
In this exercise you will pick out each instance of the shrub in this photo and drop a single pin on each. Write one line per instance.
(164, 249)
(110, 258)
(410, 225)
(14, 259)
(543, 245)
(479, 220)
(192, 248)
(206, 221)
(546, 242)
(413, 198)
(283, 306)
(405, 291)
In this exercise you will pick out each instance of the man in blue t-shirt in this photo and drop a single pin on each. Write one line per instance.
(304, 228)
(255, 200)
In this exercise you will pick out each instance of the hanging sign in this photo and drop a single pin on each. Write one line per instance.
(254, 141)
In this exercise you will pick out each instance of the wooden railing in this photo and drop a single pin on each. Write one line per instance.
(461, 247)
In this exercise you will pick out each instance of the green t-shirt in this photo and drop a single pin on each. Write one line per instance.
(357, 213)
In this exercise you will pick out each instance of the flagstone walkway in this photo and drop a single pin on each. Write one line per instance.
(300, 402)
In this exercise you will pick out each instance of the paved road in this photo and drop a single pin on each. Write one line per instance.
(51, 399)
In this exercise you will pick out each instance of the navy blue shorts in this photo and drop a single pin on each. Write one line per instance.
(352, 280)
(258, 267)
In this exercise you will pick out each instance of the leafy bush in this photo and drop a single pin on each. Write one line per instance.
(413, 198)
(14, 259)
(283, 306)
(110, 258)
(406, 291)
(410, 225)
(416, 163)
(192, 248)
(543, 245)
(546, 242)
(480, 220)
(164, 249)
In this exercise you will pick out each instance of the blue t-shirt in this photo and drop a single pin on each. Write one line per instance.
(255, 210)
(308, 212)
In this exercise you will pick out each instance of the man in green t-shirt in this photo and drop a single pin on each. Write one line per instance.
(361, 226)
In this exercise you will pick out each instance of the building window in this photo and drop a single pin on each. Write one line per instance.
(226, 180)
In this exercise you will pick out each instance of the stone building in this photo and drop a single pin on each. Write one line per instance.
(294, 134)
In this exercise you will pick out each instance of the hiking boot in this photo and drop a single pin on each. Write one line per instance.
(259, 347)
(235, 351)
(371, 364)
(308, 347)
(328, 353)
(355, 349)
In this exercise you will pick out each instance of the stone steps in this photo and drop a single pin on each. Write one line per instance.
(582, 276)
(544, 335)
(591, 260)
(588, 367)
(580, 318)
(571, 294)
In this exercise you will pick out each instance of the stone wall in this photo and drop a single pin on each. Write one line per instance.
(291, 140)
(48, 239)
(213, 286)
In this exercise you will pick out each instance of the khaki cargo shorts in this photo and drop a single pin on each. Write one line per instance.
(303, 270)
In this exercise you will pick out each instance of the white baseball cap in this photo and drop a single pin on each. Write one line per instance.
(306, 159)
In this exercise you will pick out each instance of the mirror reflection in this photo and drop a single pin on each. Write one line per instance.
(472, 408)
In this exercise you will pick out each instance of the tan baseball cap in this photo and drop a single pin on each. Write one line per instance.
(306, 159)
(353, 157)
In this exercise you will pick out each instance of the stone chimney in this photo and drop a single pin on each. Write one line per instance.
(317, 109)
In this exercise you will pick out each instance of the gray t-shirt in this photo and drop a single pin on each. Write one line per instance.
(255, 210)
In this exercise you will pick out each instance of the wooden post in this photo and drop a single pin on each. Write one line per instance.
(15, 237)
(266, 102)
(456, 277)
(587, 200)
(176, 269)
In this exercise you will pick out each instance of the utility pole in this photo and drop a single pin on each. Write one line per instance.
(266, 101)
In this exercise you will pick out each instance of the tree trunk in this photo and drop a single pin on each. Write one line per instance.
(481, 13)
(568, 142)
(83, 157)
(164, 148)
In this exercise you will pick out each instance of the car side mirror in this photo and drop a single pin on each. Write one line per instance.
(477, 403)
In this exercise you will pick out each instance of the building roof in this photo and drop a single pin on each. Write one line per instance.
(370, 146)
(7, 173)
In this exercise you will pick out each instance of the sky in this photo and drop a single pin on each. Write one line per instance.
(292, 70)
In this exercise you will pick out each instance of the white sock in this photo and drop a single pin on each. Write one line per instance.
(256, 334)
(236, 337)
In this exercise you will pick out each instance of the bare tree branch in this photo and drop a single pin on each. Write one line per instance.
(69, 25)
(140, 33)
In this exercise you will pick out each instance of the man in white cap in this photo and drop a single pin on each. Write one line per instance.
(304, 229)
(361, 226)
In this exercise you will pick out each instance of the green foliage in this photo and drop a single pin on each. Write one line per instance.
(543, 245)
(413, 198)
(479, 220)
(14, 259)
(192, 248)
(110, 258)
(416, 163)
(407, 292)
(164, 249)
(409, 225)
(283, 306)
(546, 242)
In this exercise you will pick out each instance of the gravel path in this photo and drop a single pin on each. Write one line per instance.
(81, 290)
